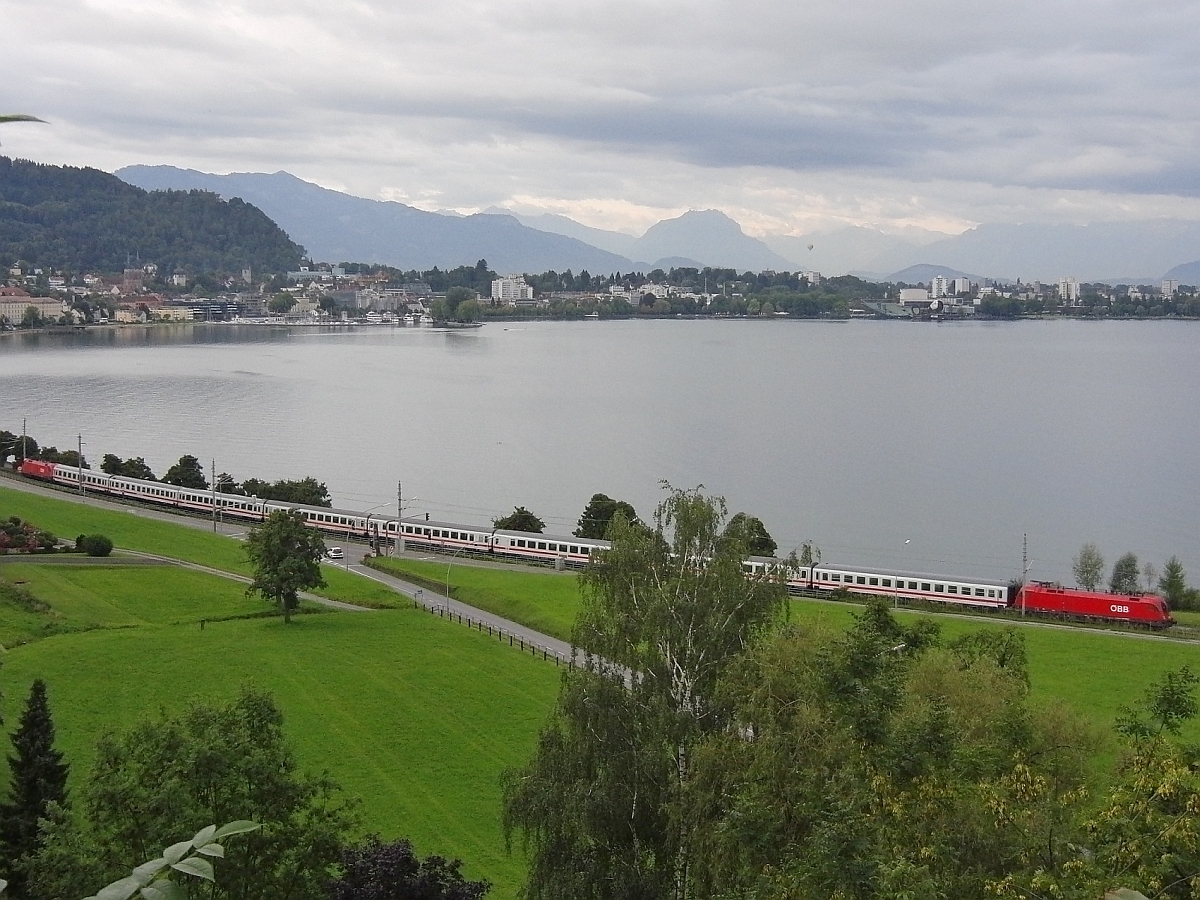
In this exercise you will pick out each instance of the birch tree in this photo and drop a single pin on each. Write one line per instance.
(665, 612)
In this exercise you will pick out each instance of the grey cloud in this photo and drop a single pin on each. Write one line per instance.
(1060, 95)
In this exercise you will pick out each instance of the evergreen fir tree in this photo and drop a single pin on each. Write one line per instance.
(39, 776)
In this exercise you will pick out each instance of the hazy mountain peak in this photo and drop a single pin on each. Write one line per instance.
(710, 236)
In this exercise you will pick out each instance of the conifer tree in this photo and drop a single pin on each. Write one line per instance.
(39, 777)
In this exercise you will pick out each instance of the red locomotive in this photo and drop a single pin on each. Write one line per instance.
(35, 468)
(1056, 600)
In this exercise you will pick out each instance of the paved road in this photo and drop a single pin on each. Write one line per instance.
(459, 610)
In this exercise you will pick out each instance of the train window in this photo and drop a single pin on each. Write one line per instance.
(939, 588)
(541, 545)
(924, 585)
(874, 581)
(887, 582)
(837, 576)
(991, 592)
(862, 579)
(954, 589)
(978, 592)
(573, 549)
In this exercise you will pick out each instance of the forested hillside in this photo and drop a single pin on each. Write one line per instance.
(82, 220)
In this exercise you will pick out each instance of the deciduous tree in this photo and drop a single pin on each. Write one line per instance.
(187, 473)
(1125, 575)
(1088, 567)
(520, 519)
(307, 491)
(286, 557)
(179, 773)
(602, 805)
(393, 871)
(751, 531)
(593, 523)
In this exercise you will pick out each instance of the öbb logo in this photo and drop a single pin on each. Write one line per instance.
(1117, 608)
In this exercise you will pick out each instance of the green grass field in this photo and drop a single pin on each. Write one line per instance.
(548, 601)
(82, 598)
(416, 716)
(131, 530)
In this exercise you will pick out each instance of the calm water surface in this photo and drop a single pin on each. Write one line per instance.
(926, 447)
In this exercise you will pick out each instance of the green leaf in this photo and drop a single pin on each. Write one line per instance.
(119, 890)
(239, 827)
(193, 865)
(203, 836)
(146, 871)
(176, 852)
(1124, 894)
(164, 889)
(212, 849)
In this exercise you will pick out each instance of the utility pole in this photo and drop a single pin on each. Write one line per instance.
(399, 542)
(214, 493)
(22, 439)
(1024, 568)
(80, 461)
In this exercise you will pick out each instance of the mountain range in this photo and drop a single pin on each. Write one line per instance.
(337, 227)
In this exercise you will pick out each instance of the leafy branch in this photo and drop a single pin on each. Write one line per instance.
(153, 879)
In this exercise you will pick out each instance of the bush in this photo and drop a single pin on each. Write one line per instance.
(93, 544)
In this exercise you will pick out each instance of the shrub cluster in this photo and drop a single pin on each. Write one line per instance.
(93, 545)
(23, 537)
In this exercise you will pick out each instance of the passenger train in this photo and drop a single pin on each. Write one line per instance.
(574, 552)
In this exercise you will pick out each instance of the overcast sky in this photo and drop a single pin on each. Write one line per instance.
(790, 115)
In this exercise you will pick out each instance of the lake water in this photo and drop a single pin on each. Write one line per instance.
(929, 447)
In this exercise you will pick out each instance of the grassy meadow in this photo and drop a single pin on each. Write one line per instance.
(414, 715)
(86, 597)
(132, 530)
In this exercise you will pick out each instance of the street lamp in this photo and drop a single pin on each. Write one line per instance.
(448, 565)
(896, 593)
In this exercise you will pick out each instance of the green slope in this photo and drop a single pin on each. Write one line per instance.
(415, 715)
(132, 530)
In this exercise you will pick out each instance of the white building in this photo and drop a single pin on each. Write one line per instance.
(914, 297)
(939, 287)
(1068, 291)
(1169, 287)
(813, 278)
(962, 286)
(511, 288)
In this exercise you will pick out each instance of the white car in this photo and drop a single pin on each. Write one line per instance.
(334, 553)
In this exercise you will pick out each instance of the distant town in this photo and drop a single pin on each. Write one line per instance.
(319, 294)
